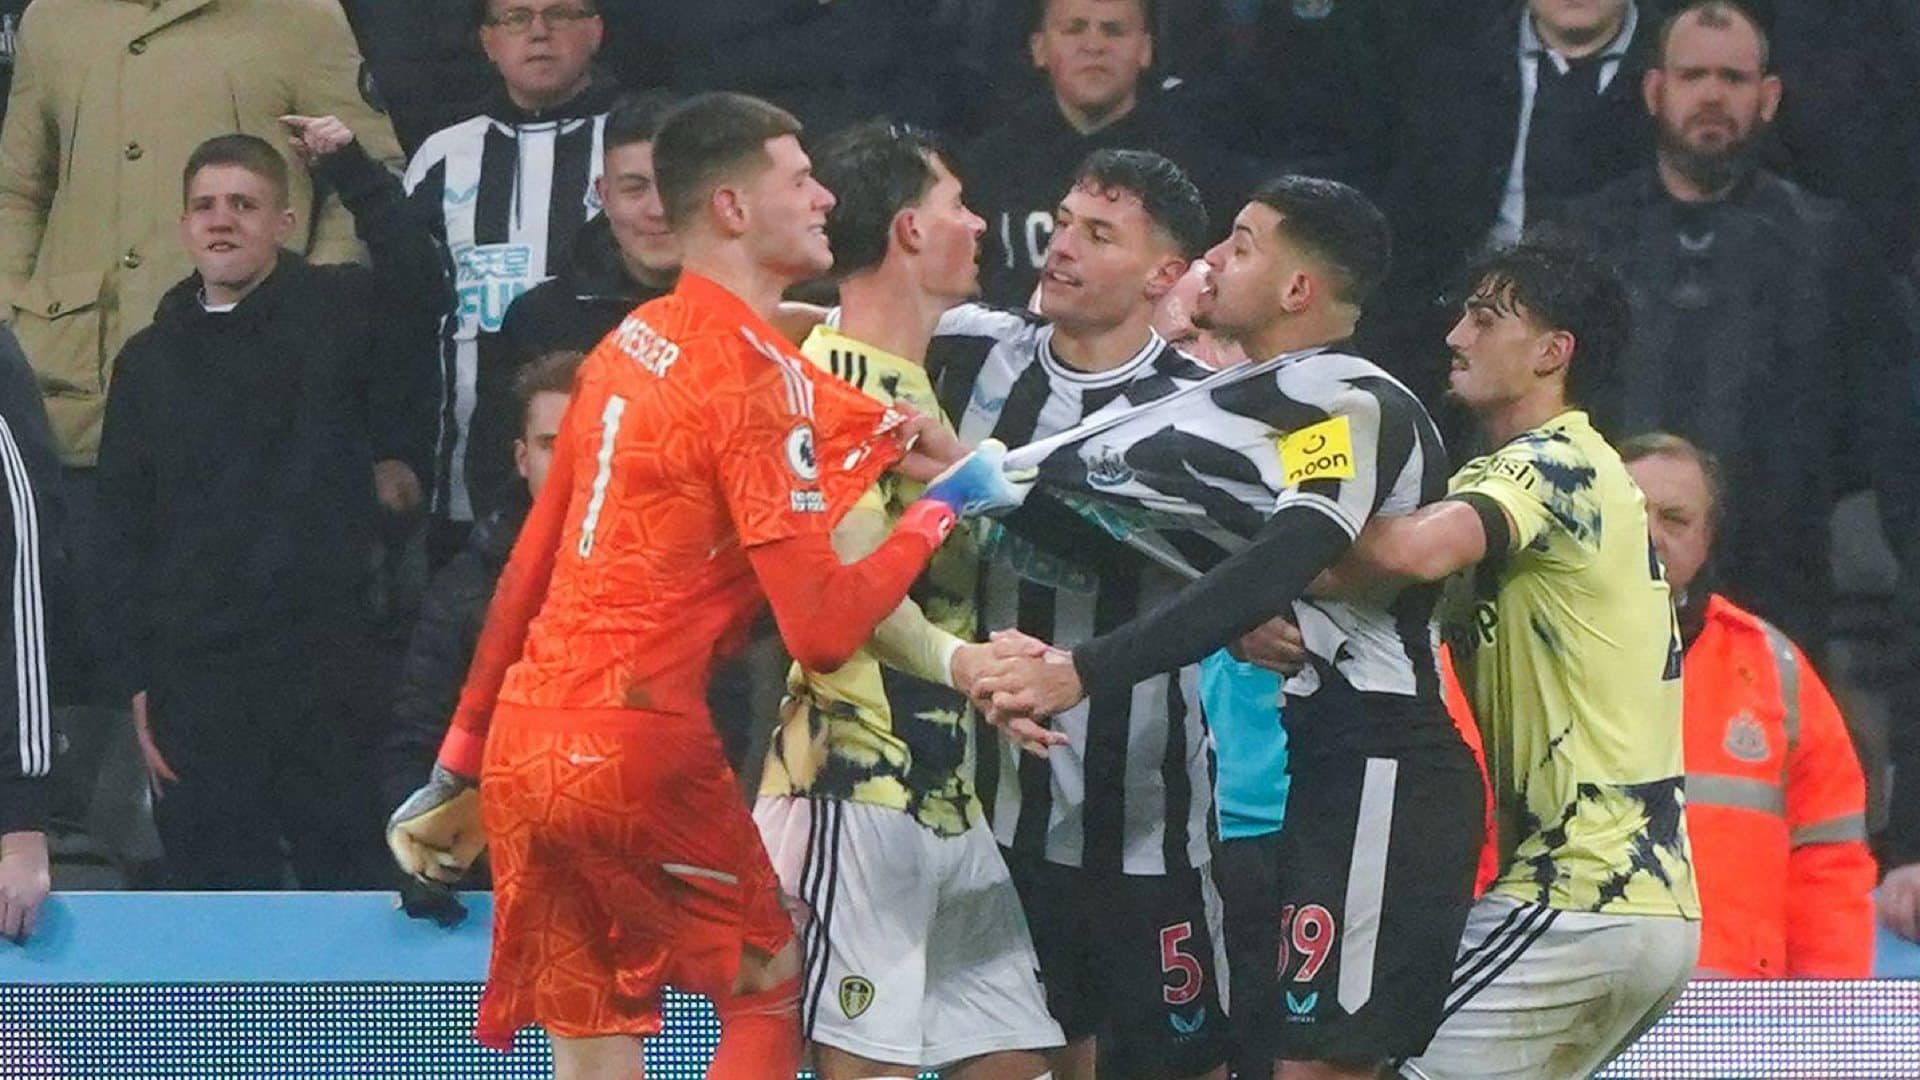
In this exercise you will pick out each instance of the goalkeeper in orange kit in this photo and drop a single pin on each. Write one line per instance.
(700, 467)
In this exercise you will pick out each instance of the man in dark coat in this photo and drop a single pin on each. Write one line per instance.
(255, 433)
(1496, 137)
(1096, 55)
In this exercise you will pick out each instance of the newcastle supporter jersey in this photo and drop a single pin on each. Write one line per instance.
(1350, 443)
(1133, 789)
(511, 190)
(1198, 478)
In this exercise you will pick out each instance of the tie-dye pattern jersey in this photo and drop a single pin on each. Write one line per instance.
(1567, 648)
(865, 732)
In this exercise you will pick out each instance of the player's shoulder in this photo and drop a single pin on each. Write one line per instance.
(1327, 375)
(695, 329)
(1569, 475)
(1342, 383)
(977, 320)
(673, 341)
(1553, 455)
(1170, 361)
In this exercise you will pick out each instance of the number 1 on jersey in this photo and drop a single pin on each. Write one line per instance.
(603, 470)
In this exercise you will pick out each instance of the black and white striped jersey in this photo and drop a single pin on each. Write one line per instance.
(1133, 789)
(1322, 433)
(512, 191)
(1398, 464)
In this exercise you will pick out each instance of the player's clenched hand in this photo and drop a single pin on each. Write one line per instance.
(430, 901)
(968, 664)
(436, 834)
(1276, 645)
(1899, 901)
(1027, 679)
(980, 483)
(931, 448)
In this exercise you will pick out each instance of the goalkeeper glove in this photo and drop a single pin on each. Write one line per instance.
(436, 834)
(980, 483)
(430, 901)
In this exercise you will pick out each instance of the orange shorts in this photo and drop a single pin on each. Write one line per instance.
(624, 859)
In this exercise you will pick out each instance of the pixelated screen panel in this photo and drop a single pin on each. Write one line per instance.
(1718, 1030)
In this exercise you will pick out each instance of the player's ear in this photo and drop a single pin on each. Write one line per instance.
(729, 209)
(1556, 351)
(905, 231)
(1165, 275)
(1297, 292)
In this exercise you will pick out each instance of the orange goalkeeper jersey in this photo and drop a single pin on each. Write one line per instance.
(695, 432)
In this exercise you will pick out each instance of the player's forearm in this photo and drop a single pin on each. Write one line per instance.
(1227, 602)
(905, 640)
(1428, 545)
(826, 609)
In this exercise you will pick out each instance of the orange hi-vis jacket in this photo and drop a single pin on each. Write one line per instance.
(1775, 809)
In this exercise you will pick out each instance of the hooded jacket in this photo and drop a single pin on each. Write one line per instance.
(236, 465)
(510, 190)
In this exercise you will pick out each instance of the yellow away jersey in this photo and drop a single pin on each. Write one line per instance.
(867, 733)
(1568, 650)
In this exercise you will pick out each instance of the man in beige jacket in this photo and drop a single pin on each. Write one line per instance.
(109, 97)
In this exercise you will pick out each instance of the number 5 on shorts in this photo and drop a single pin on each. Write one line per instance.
(1189, 976)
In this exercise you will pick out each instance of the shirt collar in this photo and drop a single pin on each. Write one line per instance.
(831, 337)
(1532, 46)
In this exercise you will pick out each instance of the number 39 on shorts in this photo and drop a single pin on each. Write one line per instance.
(1310, 932)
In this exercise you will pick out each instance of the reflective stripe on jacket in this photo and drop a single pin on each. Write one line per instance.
(1775, 808)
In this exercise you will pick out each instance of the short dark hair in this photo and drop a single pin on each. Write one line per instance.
(708, 138)
(875, 170)
(636, 118)
(250, 152)
(483, 8)
(550, 373)
(1562, 284)
(1719, 15)
(1170, 199)
(1337, 226)
(1668, 445)
(1037, 14)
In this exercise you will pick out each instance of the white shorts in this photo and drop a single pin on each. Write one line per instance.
(916, 949)
(1542, 994)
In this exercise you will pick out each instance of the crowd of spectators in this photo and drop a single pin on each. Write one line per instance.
(260, 477)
